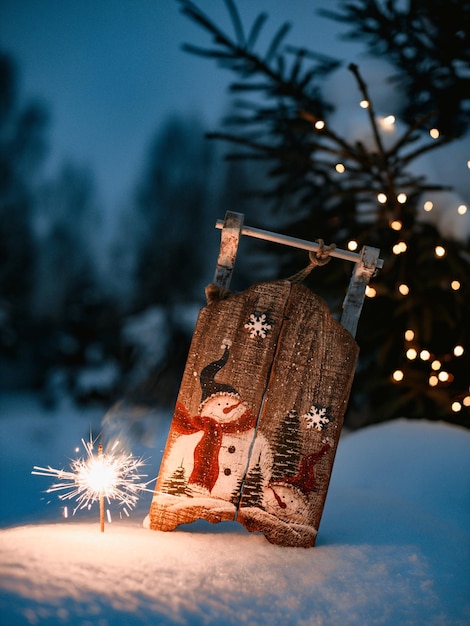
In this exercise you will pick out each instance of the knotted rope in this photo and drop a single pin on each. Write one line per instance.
(317, 258)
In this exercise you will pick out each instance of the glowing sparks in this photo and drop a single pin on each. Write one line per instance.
(107, 476)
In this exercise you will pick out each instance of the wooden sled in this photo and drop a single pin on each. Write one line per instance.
(261, 403)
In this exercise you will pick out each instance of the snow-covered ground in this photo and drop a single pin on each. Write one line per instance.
(393, 546)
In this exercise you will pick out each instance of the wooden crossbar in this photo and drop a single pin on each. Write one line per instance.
(366, 262)
(294, 242)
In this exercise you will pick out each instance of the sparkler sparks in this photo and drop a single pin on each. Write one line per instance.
(113, 475)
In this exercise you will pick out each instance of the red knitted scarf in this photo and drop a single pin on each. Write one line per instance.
(206, 453)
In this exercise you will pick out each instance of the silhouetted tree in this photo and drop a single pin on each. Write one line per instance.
(22, 149)
(414, 331)
(172, 210)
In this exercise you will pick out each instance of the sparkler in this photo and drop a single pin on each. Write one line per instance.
(113, 475)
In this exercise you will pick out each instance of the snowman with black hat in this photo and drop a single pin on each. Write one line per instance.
(217, 442)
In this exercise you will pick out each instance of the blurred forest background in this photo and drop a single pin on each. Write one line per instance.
(99, 318)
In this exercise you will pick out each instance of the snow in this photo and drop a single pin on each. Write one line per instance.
(393, 546)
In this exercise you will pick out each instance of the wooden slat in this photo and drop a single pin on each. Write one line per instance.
(301, 420)
(181, 495)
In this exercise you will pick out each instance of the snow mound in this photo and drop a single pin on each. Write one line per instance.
(393, 548)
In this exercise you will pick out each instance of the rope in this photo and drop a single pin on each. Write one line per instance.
(317, 259)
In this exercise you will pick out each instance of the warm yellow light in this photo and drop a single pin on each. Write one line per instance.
(458, 350)
(425, 355)
(389, 120)
(443, 376)
(382, 198)
(370, 292)
(462, 209)
(440, 251)
(398, 376)
(352, 245)
(409, 335)
(466, 401)
(399, 247)
(428, 205)
(364, 104)
(456, 407)
(396, 225)
(433, 381)
(403, 289)
(339, 167)
(455, 285)
(319, 124)
(411, 354)
(402, 198)
(436, 365)
(434, 133)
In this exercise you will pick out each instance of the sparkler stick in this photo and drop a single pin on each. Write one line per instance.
(100, 459)
(113, 475)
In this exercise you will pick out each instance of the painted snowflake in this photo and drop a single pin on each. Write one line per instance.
(258, 325)
(318, 417)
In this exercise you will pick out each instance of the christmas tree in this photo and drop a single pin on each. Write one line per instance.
(286, 447)
(252, 494)
(177, 484)
(367, 190)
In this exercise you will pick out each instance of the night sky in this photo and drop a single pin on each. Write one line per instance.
(111, 71)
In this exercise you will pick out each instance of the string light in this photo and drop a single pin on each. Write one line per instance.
(399, 247)
(466, 401)
(458, 350)
(402, 198)
(443, 376)
(433, 381)
(434, 133)
(455, 284)
(428, 206)
(382, 198)
(370, 292)
(319, 124)
(339, 167)
(352, 245)
(440, 251)
(389, 120)
(398, 376)
(436, 365)
(403, 289)
(411, 354)
(424, 355)
(396, 225)
(409, 335)
(462, 209)
(456, 407)
(364, 104)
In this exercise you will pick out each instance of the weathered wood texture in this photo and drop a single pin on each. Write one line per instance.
(258, 415)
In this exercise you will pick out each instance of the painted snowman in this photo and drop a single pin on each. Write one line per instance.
(289, 498)
(214, 446)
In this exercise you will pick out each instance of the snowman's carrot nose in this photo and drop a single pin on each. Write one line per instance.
(228, 409)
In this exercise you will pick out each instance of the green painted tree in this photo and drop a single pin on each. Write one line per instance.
(252, 494)
(286, 447)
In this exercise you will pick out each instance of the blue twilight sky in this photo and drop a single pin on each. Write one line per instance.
(110, 71)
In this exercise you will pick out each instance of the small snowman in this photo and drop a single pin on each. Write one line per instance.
(215, 443)
(289, 498)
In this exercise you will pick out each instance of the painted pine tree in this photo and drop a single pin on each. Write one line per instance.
(177, 484)
(287, 447)
(252, 494)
